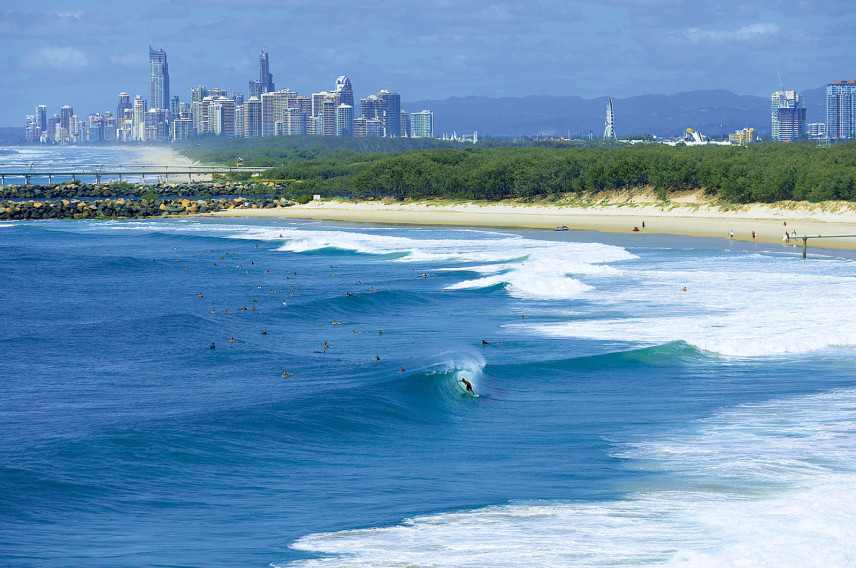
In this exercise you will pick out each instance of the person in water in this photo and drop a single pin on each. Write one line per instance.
(485, 342)
(468, 385)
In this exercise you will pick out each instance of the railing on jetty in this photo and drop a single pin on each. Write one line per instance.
(805, 239)
(112, 171)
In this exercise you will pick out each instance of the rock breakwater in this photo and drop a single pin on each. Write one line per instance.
(128, 208)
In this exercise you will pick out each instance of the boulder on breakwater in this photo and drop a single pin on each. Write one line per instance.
(206, 190)
(128, 208)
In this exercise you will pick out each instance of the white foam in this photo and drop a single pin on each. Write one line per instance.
(528, 268)
(784, 494)
(763, 307)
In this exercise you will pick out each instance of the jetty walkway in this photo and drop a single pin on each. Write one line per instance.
(72, 172)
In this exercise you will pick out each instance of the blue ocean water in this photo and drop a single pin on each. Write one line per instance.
(31, 158)
(621, 420)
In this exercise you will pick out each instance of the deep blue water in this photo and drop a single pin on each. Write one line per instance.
(619, 420)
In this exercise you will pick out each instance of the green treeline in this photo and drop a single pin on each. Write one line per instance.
(758, 173)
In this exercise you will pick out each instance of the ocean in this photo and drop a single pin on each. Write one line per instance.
(35, 158)
(621, 421)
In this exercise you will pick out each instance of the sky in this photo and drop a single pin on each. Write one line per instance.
(84, 52)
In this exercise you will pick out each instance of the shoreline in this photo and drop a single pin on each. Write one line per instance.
(768, 222)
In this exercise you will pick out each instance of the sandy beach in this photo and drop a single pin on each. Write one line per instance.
(164, 156)
(769, 222)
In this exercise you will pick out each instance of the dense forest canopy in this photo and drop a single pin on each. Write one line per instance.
(420, 168)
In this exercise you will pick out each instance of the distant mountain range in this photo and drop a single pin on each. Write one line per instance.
(713, 113)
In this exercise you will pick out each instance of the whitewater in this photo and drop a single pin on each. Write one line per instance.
(645, 400)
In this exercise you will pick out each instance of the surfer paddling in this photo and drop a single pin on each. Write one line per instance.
(468, 385)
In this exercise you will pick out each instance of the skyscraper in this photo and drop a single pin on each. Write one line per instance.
(294, 121)
(369, 107)
(173, 107)
(42, 117)
(124, 103)
(265, 78)
(140, 110)
(328, 114)
(273, 103)
(841, 110)
(346, 93)
(788, 116)
(391, 105)
(158, 79)
(344, 120)
(253, 118)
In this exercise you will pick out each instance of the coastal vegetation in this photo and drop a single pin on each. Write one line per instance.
(335, 166)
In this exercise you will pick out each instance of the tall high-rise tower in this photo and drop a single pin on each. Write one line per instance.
(265, 77)
(65, 114)
(391, 105)
(158, 79)
(787, 116)
(841, 110)
(42, 117)
(124, 103)
(609, 129)
(346, 93)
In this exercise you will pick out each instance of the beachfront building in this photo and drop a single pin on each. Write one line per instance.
(158, 79)
(422, 124)
(273, 103)
(405, 124)
(788, 116)
(344, 120)
(139, 120)
(123, 105)
(253, 118)
(181, 129)
(841, 110)
(390, 104)
(293, 122)
(239, 120)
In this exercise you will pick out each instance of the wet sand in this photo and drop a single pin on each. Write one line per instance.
(768, 222)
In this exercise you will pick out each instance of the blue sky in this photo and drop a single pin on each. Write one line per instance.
(84, 53)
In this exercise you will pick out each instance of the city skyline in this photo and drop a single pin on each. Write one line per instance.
(265, 112)
(83, 55)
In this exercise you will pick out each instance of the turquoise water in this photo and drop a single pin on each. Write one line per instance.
(620, 422)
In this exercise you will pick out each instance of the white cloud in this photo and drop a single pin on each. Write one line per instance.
(55, 58)
(750, 33)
